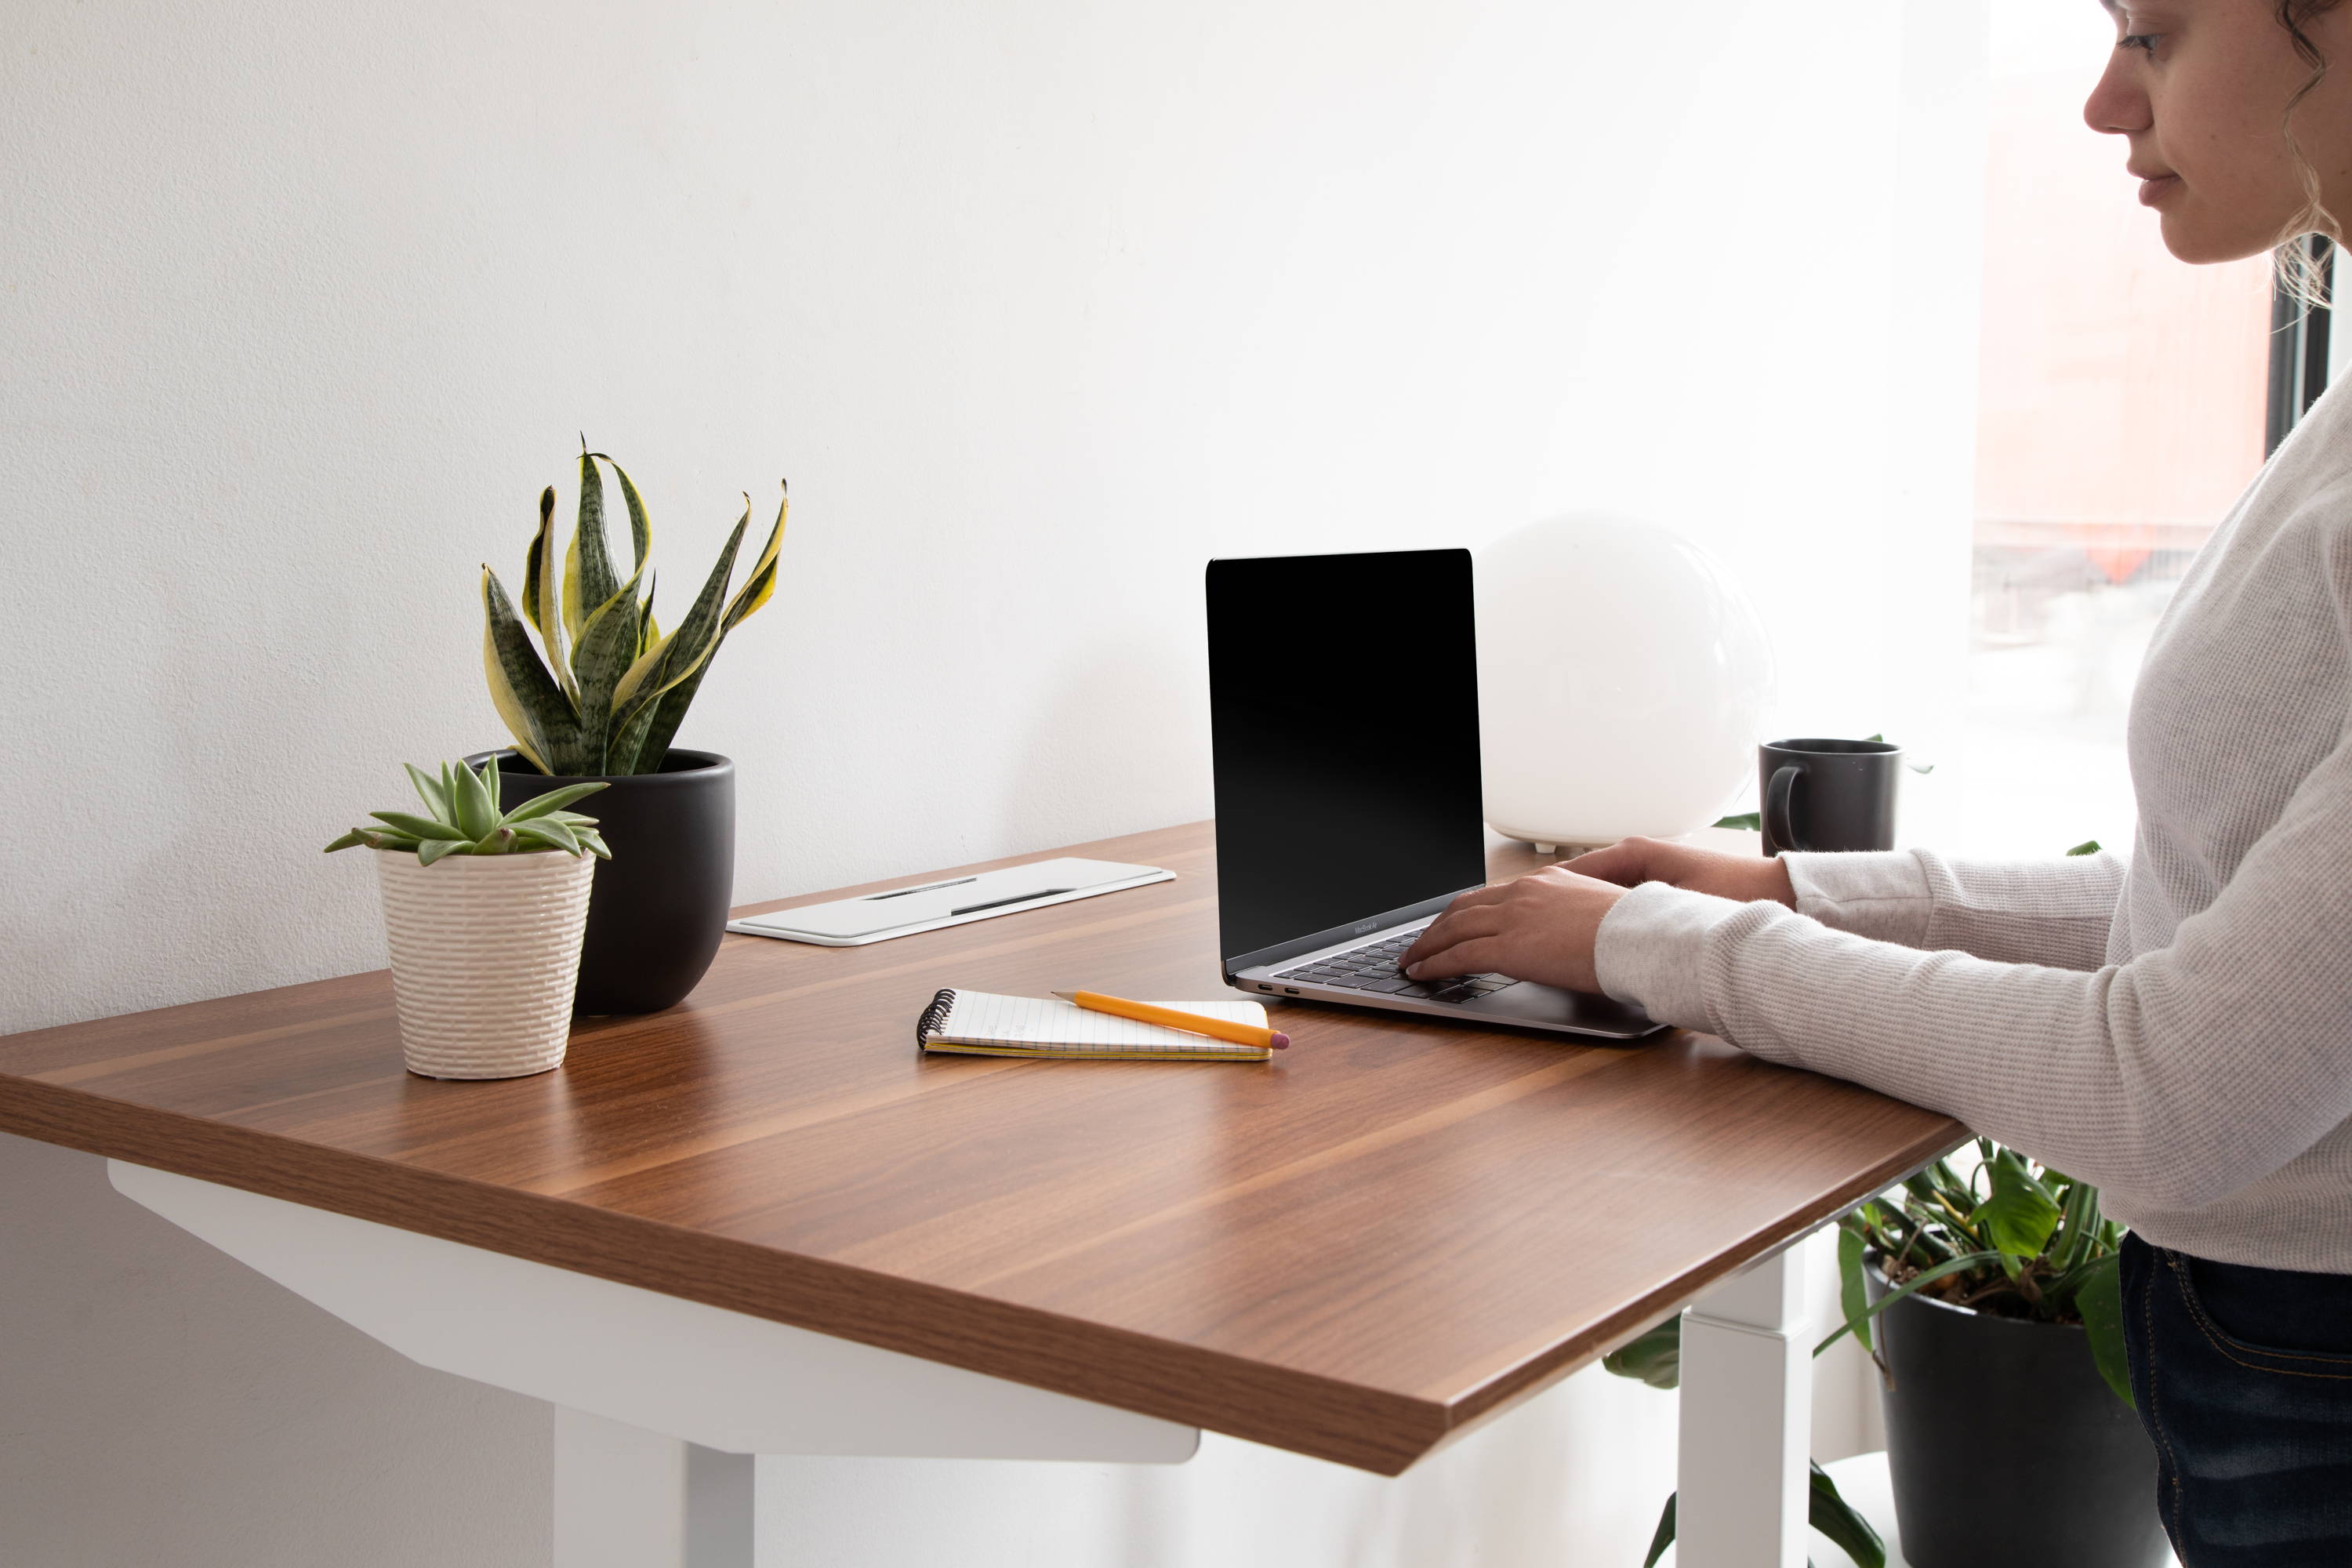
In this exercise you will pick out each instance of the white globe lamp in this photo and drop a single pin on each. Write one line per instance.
(1622, 679)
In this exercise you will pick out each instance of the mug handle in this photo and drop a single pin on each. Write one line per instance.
(1777, 826)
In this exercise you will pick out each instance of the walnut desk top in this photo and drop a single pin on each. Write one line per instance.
(1355, 1251)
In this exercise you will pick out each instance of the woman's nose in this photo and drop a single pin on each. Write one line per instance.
(2116, 106)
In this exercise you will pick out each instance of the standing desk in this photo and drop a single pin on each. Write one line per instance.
(761, 1223)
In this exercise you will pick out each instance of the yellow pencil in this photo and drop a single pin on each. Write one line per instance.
(1169, 1018)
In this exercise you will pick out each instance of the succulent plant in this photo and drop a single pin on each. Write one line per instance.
(611, 689)
(465, 819)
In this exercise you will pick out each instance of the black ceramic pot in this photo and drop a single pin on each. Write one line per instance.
(659, 905)
(2002, 1439)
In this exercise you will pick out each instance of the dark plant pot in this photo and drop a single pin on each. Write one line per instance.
(659, 905)
(2003, 1437)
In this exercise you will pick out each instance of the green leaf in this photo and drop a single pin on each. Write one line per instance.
(674, 659)
(386, 838)
(476, 817)
(1654, 1358)
(760, 585)
(435, 849)
(421, 827)
(1664, 1536)
(2088, 846)
(2100, 1300)
(1853, 1295)
(2019, 1215)
(435, 798)
(490, 775)
(350, 841)
(641, 532)
(542, 598)
(1924, 1276)
(588, 578)
(607, 647)
(553, 835)
(552, 802)
(592, 841)
(1837, 1518)
(497, 841)
(535, 709)
(1751, 820)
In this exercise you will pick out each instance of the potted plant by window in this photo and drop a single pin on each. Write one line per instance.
(598, 698)
(2000, 1346)
(1999, 1341)
(483, 910)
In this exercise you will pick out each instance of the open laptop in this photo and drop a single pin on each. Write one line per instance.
(1343, 694)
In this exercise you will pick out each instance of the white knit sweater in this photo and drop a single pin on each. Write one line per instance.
(2179, 1031)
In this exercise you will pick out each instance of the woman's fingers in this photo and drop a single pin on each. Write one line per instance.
(1472, 955)
(1455, 925)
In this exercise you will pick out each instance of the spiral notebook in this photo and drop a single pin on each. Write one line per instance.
(978, 1023)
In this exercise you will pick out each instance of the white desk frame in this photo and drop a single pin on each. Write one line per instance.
(661, 1406)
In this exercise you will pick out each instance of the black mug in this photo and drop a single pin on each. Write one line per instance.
(1829, 795)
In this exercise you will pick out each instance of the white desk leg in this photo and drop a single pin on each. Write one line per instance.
(628, 1498)
(1746, 1420)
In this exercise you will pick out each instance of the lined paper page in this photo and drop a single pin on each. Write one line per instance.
(977, 1015)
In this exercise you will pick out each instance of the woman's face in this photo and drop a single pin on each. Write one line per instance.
(2199, 89)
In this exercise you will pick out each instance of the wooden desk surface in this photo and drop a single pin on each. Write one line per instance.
(1389, 1232)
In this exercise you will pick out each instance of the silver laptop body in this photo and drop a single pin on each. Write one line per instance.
(1348, 811)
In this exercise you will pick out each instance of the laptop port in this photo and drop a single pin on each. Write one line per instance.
(1290, 990)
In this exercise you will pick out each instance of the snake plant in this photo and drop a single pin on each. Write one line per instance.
(611, 688)
(463, 818)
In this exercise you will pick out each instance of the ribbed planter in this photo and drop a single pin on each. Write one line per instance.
(1997, 1423)
(659, 907)
(485, 951)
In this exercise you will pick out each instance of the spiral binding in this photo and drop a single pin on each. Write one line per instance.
(933, 1017)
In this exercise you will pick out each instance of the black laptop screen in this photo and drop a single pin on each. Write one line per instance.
(1343, 695)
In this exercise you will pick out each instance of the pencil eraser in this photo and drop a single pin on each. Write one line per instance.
(1281, 1042)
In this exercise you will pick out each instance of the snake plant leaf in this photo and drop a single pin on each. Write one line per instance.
(436, 797)
(607, 648)
(760, 586)
(552, 802)
(542, 600)
(648, 629)
(433, 849)
(588, 578)
(2101, 1302)
(2019, 1215)
(421, 827)
(672, 661)
(536, 712)
(641, 532)
(554, 835)
(476, 817)
(1655, 1357)
(1834, 1517)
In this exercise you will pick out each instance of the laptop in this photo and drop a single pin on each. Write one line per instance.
(1343, 696)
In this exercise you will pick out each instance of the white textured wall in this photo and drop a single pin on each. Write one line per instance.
(1039, 303)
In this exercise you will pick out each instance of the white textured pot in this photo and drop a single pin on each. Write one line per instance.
(485, 955)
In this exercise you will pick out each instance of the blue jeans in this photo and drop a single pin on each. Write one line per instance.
(2243, 1378)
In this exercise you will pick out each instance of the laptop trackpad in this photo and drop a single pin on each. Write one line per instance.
(1549, 1004)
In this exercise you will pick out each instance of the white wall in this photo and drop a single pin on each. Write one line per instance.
(1040, 304)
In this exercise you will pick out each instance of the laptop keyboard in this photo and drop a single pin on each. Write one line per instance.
(1373, 968)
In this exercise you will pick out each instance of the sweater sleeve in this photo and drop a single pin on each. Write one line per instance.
(2030, 911)
(2178, 1076)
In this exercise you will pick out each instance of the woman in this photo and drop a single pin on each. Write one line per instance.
(2179, 1031)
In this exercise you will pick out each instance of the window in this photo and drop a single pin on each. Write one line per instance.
(2121, 408)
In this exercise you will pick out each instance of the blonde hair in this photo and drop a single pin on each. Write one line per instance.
(2301, 275)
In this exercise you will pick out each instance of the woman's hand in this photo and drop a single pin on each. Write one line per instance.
(1542, 926)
